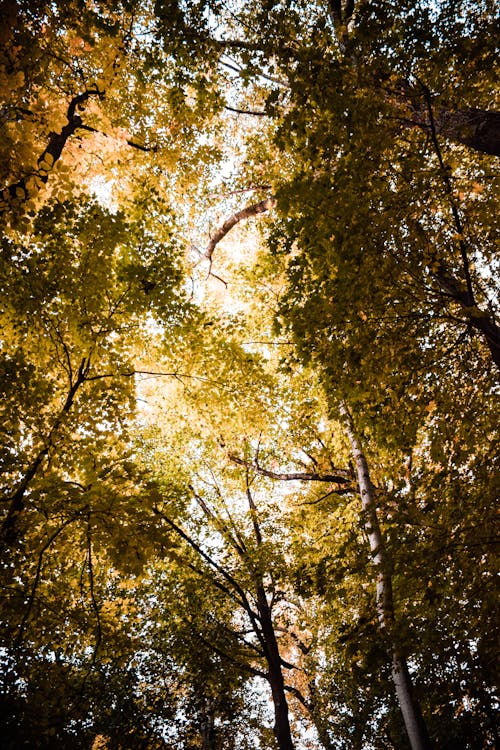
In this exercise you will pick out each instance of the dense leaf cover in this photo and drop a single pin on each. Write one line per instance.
(249, 374)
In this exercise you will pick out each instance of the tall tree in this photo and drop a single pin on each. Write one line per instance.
(248, 578)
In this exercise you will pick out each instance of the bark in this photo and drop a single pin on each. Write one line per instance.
(460, 291)
(207, 727)
(261, 623)
(343, 477)
(341, 12)
(410, 710)
(281, 728)
(274, 661)
(475, 128)
(245, 213)
(475, 317)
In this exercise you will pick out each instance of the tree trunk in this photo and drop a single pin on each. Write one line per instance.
(476, 128)
(472, 127)
(25, 187)
(281, 728)
(412, 717)
(475, 317)
(483, 323)
(207, 726)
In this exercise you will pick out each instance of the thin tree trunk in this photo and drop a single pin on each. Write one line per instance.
(28, 185)
(281, 728)
(207, 726)
(412, 716)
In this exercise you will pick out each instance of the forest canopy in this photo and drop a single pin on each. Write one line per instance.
(249, 372)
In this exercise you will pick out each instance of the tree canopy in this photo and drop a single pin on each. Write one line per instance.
(249, 374)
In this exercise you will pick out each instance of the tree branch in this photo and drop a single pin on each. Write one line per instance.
(246, 667)
(242, 600)
(221, 525)
(26, 186)
(343, 477)
(254, 113)
(34, 586)
(253, 513)
(449, 192)
(16, 506)
(133, 144)
(245, 213)
(296, 692)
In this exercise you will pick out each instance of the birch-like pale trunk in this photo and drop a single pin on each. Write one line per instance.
(410, 710)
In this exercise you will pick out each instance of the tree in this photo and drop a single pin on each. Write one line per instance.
(249, 582)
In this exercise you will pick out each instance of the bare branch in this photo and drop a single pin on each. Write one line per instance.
(221, 525)
(449, 192)
(246, 667)
(253, 513)
(342, 477)
(246, 213)
(252, 112)
(345, 491)
(242, 597)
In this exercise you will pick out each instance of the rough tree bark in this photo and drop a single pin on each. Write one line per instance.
(475, 128)
(281, 728)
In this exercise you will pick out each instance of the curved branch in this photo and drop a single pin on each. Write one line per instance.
(130, 143)
(252, 112)
(246, 213)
